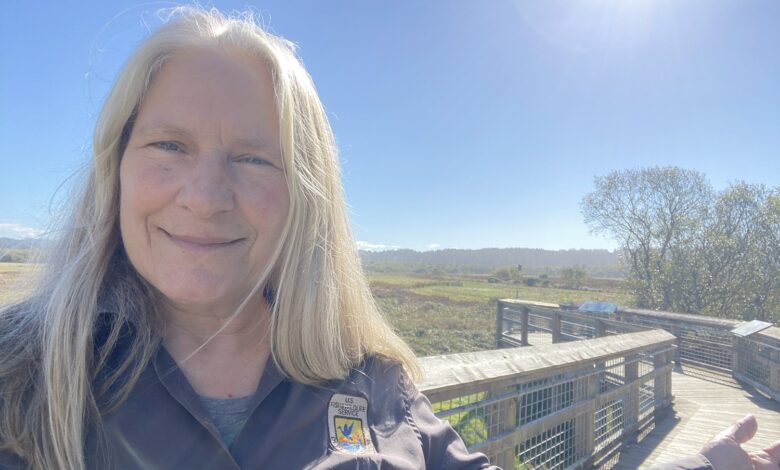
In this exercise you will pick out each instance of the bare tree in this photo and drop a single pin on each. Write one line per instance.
(688, 249)
(651, 213)
(740, 260)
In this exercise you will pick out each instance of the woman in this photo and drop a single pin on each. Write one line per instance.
(205, 307)
(209, 238)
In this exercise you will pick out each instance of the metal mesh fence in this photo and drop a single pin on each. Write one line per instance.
(627, 390)
(609, 423)
(551, 449)
(646, 399)
(754, 361)
(575, 330)
(698, 345)
(569, 429)
(540, 398)
(470, 415)
(538, 324)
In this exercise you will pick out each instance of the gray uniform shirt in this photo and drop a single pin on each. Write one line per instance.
(373, 419)
(164, 424)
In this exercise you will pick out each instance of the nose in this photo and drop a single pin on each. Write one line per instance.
(207, 188)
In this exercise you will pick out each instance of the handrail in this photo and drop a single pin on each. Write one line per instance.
(570, 403)
(757, 361)
(702, 342)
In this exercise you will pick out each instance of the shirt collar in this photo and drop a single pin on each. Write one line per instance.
(179, 387)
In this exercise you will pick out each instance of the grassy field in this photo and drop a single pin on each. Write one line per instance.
(11, 275)
(435, 315)
(457, 314)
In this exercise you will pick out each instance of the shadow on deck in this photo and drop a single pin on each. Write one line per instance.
(720, 372)
(704, 404)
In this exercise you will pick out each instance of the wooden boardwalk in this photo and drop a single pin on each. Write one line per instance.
(703, 406)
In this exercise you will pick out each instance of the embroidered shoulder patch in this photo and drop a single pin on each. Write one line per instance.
(348, 424)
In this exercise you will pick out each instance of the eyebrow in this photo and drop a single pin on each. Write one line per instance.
(178, 132)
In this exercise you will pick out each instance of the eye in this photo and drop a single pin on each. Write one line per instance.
(168, 146)
(253, 159)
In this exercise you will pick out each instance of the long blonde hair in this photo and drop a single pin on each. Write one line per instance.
(325, 321)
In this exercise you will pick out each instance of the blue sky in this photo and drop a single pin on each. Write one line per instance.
(461, 123)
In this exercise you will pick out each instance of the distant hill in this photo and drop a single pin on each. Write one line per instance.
(17, 251)
(601, 263)
(6, 243)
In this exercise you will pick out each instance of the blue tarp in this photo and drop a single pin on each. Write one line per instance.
(597, 307)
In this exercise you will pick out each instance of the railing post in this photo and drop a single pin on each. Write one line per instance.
(676, 332)
(601, 328)
(631, 403)
(507, 412)
(524, 326)
(556, 327)
(662, 389)
(499, 323)
(589, 417)
(669, 355)
(774, 380)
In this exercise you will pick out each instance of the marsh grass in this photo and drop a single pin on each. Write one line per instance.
(435, 315)
(12, 280)
(457, 314)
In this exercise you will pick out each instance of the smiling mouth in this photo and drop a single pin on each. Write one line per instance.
(200, 243)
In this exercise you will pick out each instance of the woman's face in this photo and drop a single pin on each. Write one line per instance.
(203, 192)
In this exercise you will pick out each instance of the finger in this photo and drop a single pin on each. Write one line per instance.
(762, 461)
(741, 431)
(774, 451)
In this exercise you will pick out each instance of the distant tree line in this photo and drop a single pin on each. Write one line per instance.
(15, 255)
(18, 251)
(598, 263)
(574, 277)
(571, 277)
(689, 248)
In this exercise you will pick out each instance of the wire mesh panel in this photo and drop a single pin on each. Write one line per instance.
(551, 449)
(609, 423)
(699, 345)
(646, 363)
(646, 399)
(579, 330)
(711, 348)
(470, 416)
(704, 343)
(557, 405)
(543, 397)
(538, 323)
(574, 414)
(756, 360)
(613, 375)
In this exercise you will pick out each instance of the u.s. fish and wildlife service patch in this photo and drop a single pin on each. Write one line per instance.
(348, 424)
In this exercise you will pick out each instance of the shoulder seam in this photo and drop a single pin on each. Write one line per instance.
(405, 388)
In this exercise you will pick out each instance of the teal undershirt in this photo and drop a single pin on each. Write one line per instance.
(228, 415)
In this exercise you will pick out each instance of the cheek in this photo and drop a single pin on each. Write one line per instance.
(142, 192)
(269, 202)
(142, 186)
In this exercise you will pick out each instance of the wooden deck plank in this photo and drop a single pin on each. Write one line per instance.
(702, 408)
(705, 403)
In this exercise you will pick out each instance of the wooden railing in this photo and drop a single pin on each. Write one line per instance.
(757, 361)
(702, 343)
(569, 405)
(516, 319)
(554, 406)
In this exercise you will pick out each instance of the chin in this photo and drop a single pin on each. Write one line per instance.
(198, 294)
